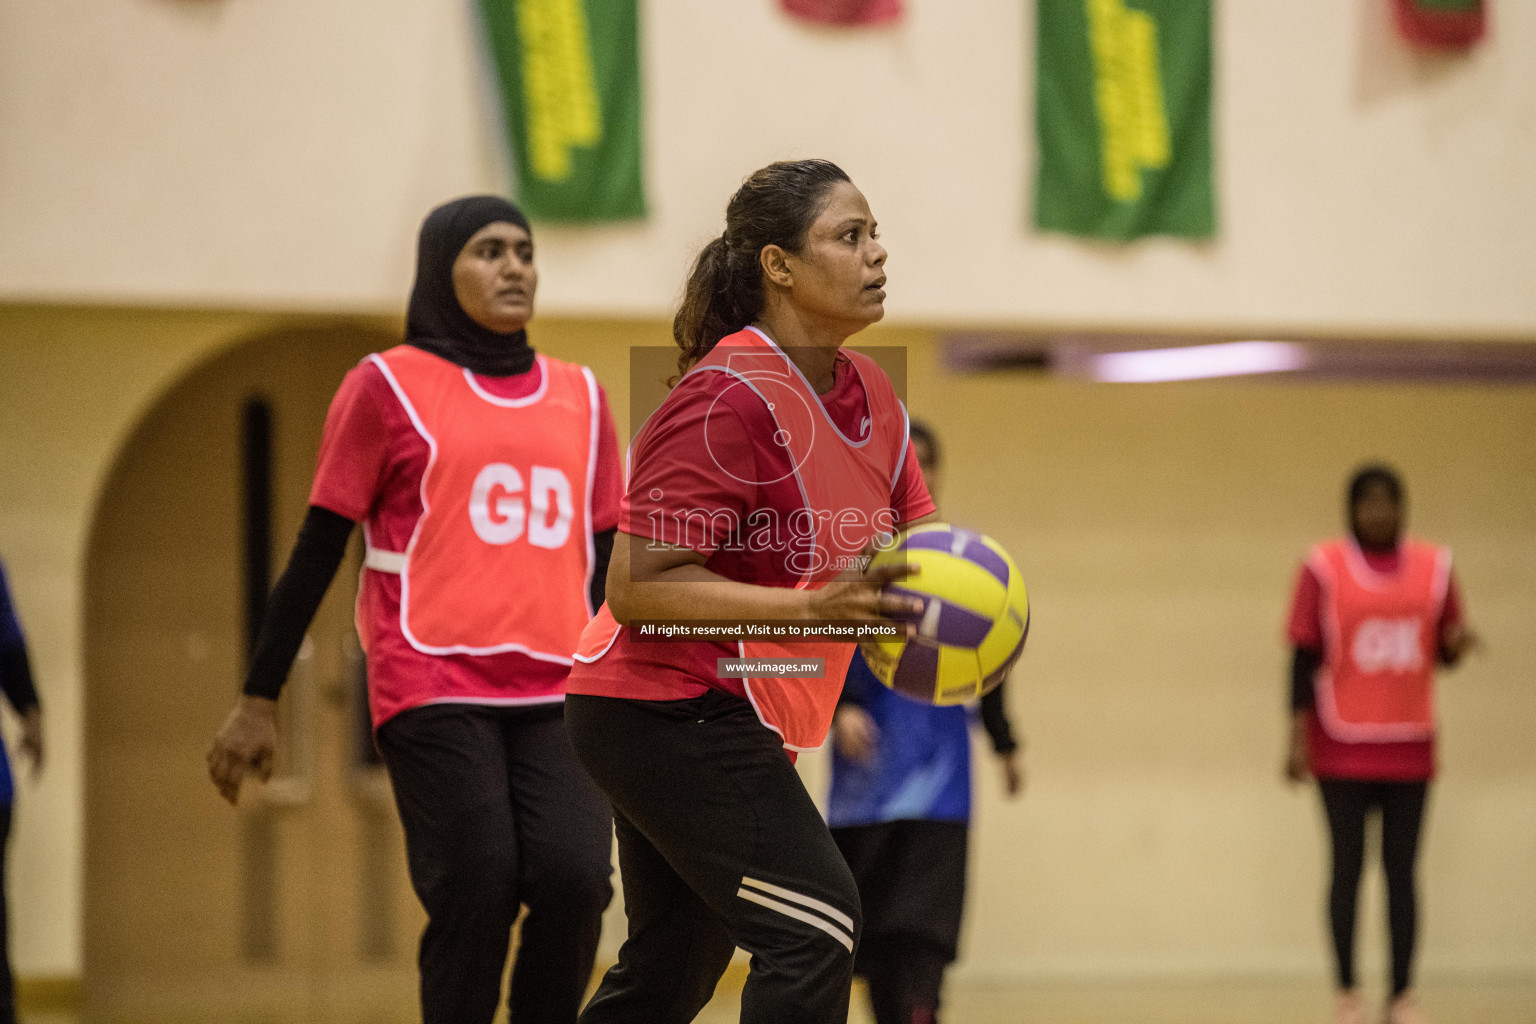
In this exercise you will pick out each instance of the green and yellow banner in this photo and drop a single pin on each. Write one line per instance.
(570, 83)
(1123, 118)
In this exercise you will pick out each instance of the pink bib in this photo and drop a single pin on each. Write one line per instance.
(1381, 642)
(501, 557)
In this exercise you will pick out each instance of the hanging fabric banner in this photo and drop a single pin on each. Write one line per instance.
(1442, 24)
(1123, 118)
(569, 72)
(845, 12)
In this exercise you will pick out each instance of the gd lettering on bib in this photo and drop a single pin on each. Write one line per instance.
(500, 558)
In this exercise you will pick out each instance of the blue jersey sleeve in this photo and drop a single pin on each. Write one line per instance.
(861, 686)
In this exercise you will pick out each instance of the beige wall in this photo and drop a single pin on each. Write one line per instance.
(281, 154)
(1158, 528)
(73, 383)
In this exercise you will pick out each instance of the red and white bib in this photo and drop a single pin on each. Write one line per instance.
(846, 487)
(500, 559)
(1381, 642)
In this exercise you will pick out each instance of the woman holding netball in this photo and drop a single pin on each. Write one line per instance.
(486, 477)
(770, 466)
(1371, 616)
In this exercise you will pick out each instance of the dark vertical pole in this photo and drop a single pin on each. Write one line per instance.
(258, 937)
(256, 473)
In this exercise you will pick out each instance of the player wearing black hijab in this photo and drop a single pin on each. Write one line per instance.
(487, 480)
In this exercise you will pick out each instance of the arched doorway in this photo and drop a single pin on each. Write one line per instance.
(297, 902)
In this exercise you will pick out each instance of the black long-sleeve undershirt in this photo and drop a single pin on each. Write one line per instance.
(16, 678)
(15, 667)
(317, 554)
(994, 717)
(295, 598)
(1304, 666)
(602, 554)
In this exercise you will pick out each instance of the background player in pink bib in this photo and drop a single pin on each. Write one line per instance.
(1372, 615)
(487, 480)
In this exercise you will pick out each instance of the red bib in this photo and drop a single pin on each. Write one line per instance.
(501, 557)
(846, 485)
(1381, 641)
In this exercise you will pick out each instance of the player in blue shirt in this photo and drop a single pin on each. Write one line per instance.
(16, 681)
(900, 811)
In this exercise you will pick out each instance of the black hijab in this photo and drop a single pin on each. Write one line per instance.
(435, 321)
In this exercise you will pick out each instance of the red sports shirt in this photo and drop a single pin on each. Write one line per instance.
(709, 460)
(370, 469)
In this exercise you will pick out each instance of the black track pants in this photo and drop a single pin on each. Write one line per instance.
(719, 846)
(911, 878)
(498, 813)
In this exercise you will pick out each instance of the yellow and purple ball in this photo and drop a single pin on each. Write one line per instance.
(974, 621)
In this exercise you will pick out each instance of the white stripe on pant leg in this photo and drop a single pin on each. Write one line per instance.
(805, 901)
(799, 915)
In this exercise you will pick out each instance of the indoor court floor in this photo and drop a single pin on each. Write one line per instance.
(1492, 1000)
(1501, 1001)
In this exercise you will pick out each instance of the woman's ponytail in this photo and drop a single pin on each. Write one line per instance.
(775, 206)
(719, 300)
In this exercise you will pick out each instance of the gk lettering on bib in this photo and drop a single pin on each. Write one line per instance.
(1380, 630)
(501, 556)
(1388, 645)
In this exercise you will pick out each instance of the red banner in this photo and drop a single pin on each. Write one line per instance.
(845, 12)
(1442, 24)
